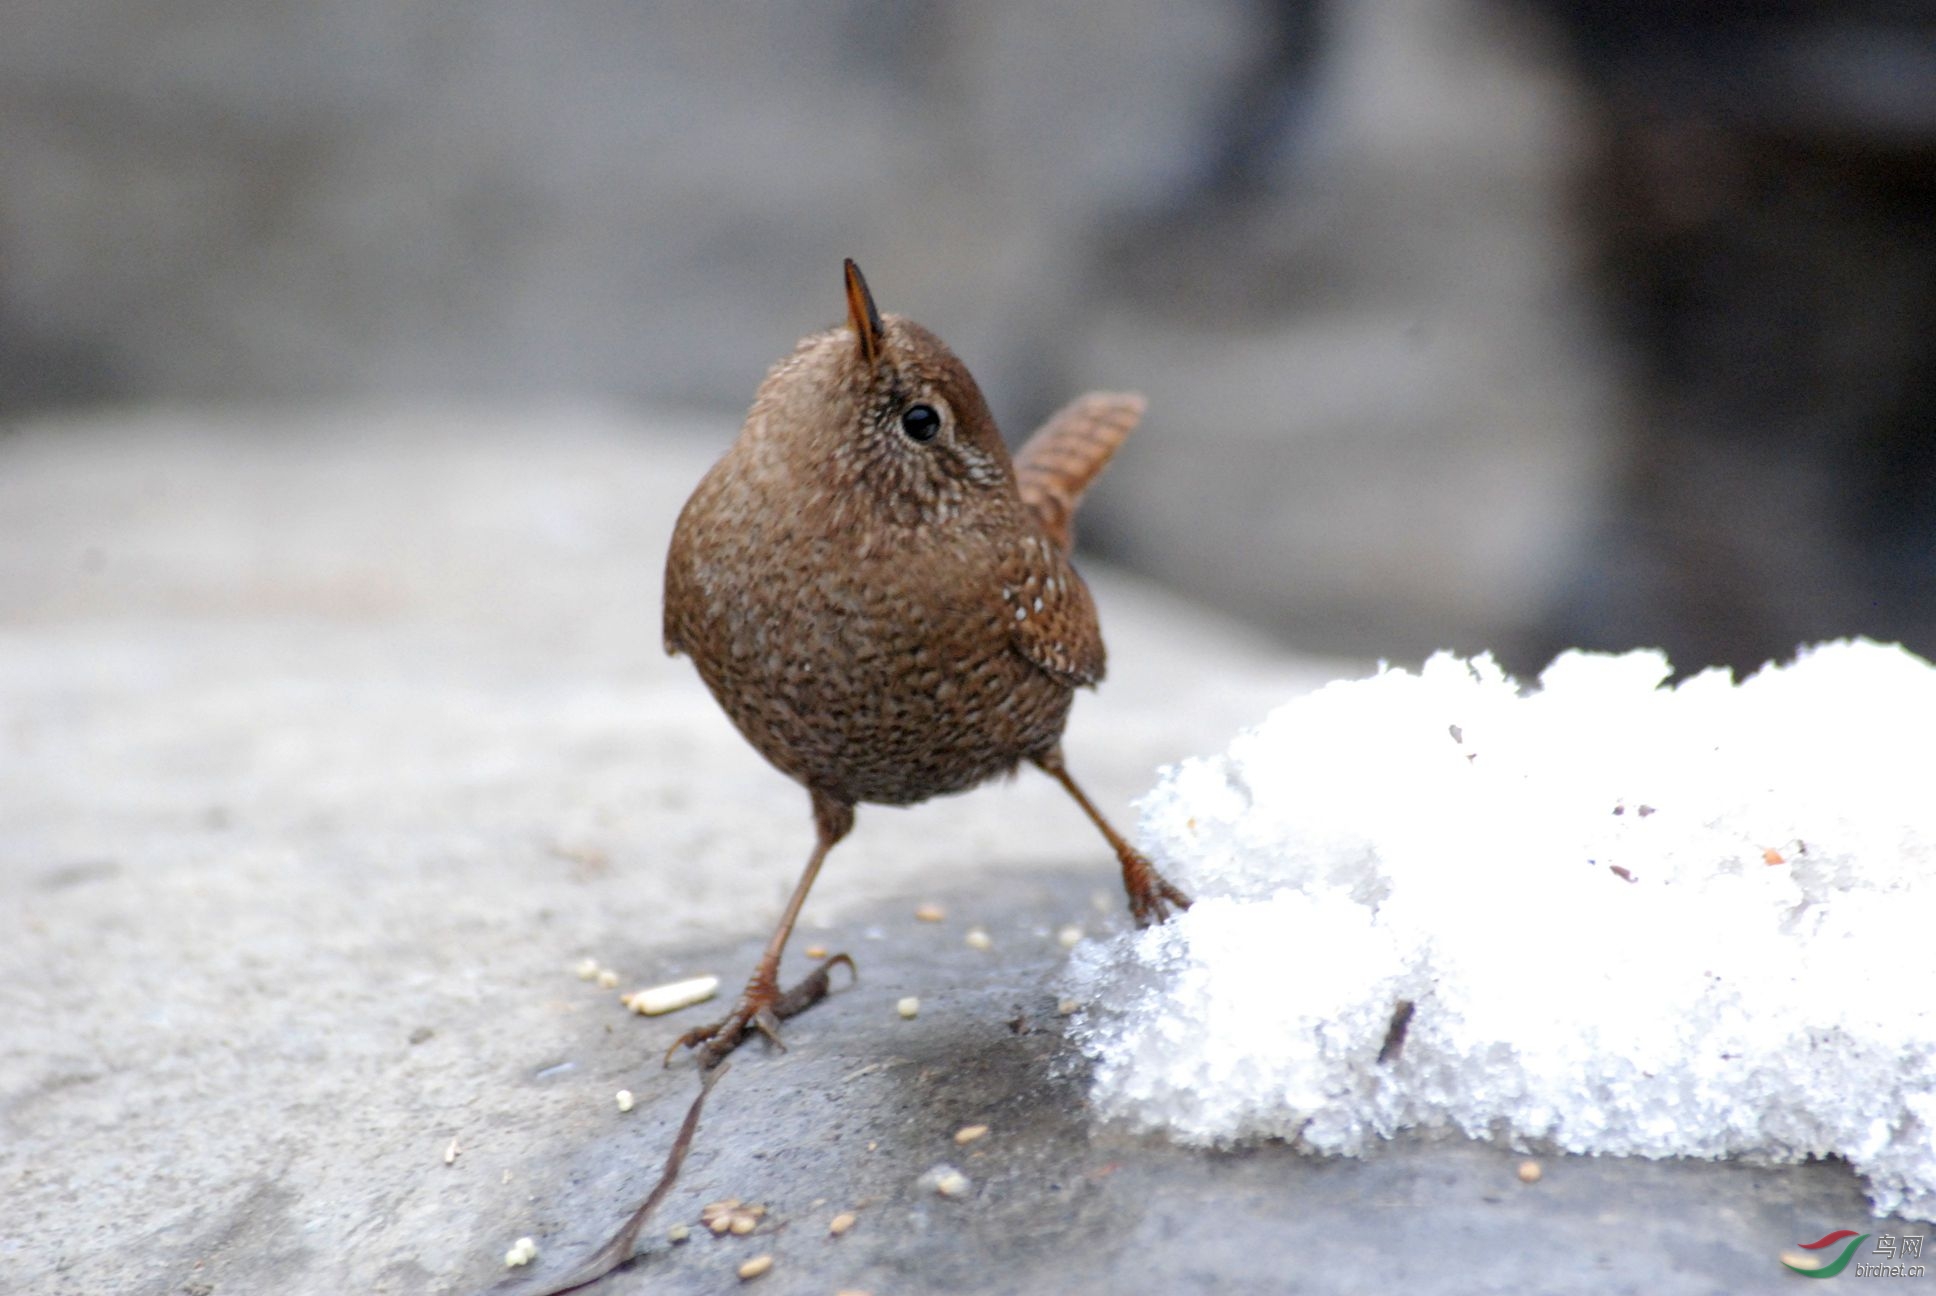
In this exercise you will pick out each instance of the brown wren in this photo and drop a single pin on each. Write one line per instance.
(883, 602)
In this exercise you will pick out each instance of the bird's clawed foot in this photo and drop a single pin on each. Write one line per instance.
(762, 1006)
(1152, 897)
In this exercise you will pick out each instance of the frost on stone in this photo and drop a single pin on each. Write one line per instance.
(1634, 919)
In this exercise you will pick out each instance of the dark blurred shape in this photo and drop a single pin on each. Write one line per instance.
(1506, 324)
(1374, 392)
(1762, 208)
(1255, 136)
(40, 370)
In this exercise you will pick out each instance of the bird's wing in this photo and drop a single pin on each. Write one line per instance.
(1051, 617)
(1055, 466)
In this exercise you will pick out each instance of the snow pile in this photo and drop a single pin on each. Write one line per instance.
(1633, 919)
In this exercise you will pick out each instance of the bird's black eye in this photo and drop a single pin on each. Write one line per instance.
(920, 422)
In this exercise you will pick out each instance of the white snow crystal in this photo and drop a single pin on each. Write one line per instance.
(1634, 919)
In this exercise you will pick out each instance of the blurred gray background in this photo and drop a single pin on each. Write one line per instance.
(1464, 323)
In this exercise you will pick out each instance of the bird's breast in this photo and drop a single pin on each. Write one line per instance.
(878, 673)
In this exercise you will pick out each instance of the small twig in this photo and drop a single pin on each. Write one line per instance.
(618, 1250)
(1401, 1022)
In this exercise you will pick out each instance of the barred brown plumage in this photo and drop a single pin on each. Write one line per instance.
(884, 605)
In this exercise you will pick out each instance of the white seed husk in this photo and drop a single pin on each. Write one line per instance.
(672, 996)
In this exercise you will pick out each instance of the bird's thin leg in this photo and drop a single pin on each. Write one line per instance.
(762, 1005)
(1152, 898)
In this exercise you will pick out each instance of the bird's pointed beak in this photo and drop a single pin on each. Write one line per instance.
(861, 315)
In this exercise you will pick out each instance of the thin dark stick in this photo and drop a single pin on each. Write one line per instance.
(1401, 1021)
(618, 1250)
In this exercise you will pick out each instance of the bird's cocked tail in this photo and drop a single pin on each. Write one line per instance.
(1068, 452)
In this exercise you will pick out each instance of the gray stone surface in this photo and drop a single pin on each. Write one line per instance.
(864, 1104)
(314, 741)
(324, 756)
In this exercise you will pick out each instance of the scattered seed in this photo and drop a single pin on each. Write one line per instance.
(946, 1180)
(816, 951)
(842, 1222)
(1069, 936)
(1068, 1007)
(587, 968)
(522, 1252)
(729, 1216)
(1529, 1172)
(1622, 872)
(908, 1007)
(678, 1233)
(930, 912)
(607, 979)
(672, 996)
(1772, 856)
(753, 1268)
(979, 939)
(625, 1100)
(969, 1133)
(451, 1153)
